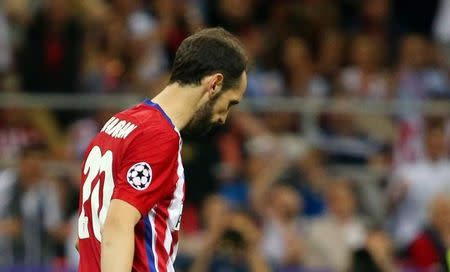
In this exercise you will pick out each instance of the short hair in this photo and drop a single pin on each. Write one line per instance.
(434, 123)
(211, 50)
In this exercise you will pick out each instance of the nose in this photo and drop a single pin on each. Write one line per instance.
(223, 118)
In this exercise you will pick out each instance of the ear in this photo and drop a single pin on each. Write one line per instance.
(215, 83)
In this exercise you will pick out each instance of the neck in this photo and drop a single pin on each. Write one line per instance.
(179, 102)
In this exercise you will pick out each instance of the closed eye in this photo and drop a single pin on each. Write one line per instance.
(232, 103)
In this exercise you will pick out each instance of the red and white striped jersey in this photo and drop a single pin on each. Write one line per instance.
(136, 157)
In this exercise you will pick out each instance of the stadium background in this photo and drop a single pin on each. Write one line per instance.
(335, 161)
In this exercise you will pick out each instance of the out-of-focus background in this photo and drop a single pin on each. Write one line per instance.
(337, 159)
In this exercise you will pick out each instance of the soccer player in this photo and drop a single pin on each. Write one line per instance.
(132, 184)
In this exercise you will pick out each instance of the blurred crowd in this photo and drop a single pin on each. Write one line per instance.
(368, 192)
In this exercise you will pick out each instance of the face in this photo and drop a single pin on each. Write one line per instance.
(341, 200)
(286, 202)
(435, 143)
(215, 111)
(296, 54)
(377, 10)
(440, 213)
(365, 52)
(415, 51)
(31, 166)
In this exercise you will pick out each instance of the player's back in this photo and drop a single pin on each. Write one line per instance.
(134, 158)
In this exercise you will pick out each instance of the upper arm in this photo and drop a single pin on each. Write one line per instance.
(147, 171)
(121, 216)
(117, 245)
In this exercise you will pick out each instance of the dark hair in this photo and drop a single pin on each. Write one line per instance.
(434, 123)
(211, 50)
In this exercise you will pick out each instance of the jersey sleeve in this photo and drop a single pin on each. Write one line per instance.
(148, 170)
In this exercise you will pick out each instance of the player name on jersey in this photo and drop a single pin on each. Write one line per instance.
(117, 128)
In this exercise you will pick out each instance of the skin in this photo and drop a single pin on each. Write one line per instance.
(192, 107)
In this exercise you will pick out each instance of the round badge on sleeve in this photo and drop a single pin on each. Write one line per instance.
(139, 175)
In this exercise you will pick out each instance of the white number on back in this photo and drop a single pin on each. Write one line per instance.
(96, 163)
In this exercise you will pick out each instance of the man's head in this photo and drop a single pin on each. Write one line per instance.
(341, 199)
(31, 162)
(214, 60)
(285, 203)
(414, 51)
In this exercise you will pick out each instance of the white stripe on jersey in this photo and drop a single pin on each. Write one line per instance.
(175, 208)
(151, 218)
(176, 205)
(170, 268)
(168, 240)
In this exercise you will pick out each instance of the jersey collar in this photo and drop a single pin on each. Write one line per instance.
(158, 107)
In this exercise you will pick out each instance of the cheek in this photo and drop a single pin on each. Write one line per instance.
(220, 108)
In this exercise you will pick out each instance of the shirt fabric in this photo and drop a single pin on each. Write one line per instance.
(136, 158)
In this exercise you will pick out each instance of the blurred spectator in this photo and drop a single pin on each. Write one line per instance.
(301, 78)
(5, 48)
(376, 256)
(83, 131)
(16, 132)
(282, 241)
(103, 64)
(375, 19)
(372, 187)
(415, 184)
(417, 78)
(9, 220)
(333, 237)
(178, 20)
(150, 62)
(263, 80)
(234, 15)
(344, 141)
(408, 143)
(51, 53)
(72, 257)
(441, 29)
(428, 251)
(365, 77)
(330, 54)
(200, 156)
(318, 15)
(229, 244)
(310, 178)
(213, 207)
(31, 204)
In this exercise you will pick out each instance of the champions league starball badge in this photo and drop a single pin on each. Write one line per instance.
(140, 175)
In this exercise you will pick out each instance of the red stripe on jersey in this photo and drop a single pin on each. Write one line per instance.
(174, 241)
